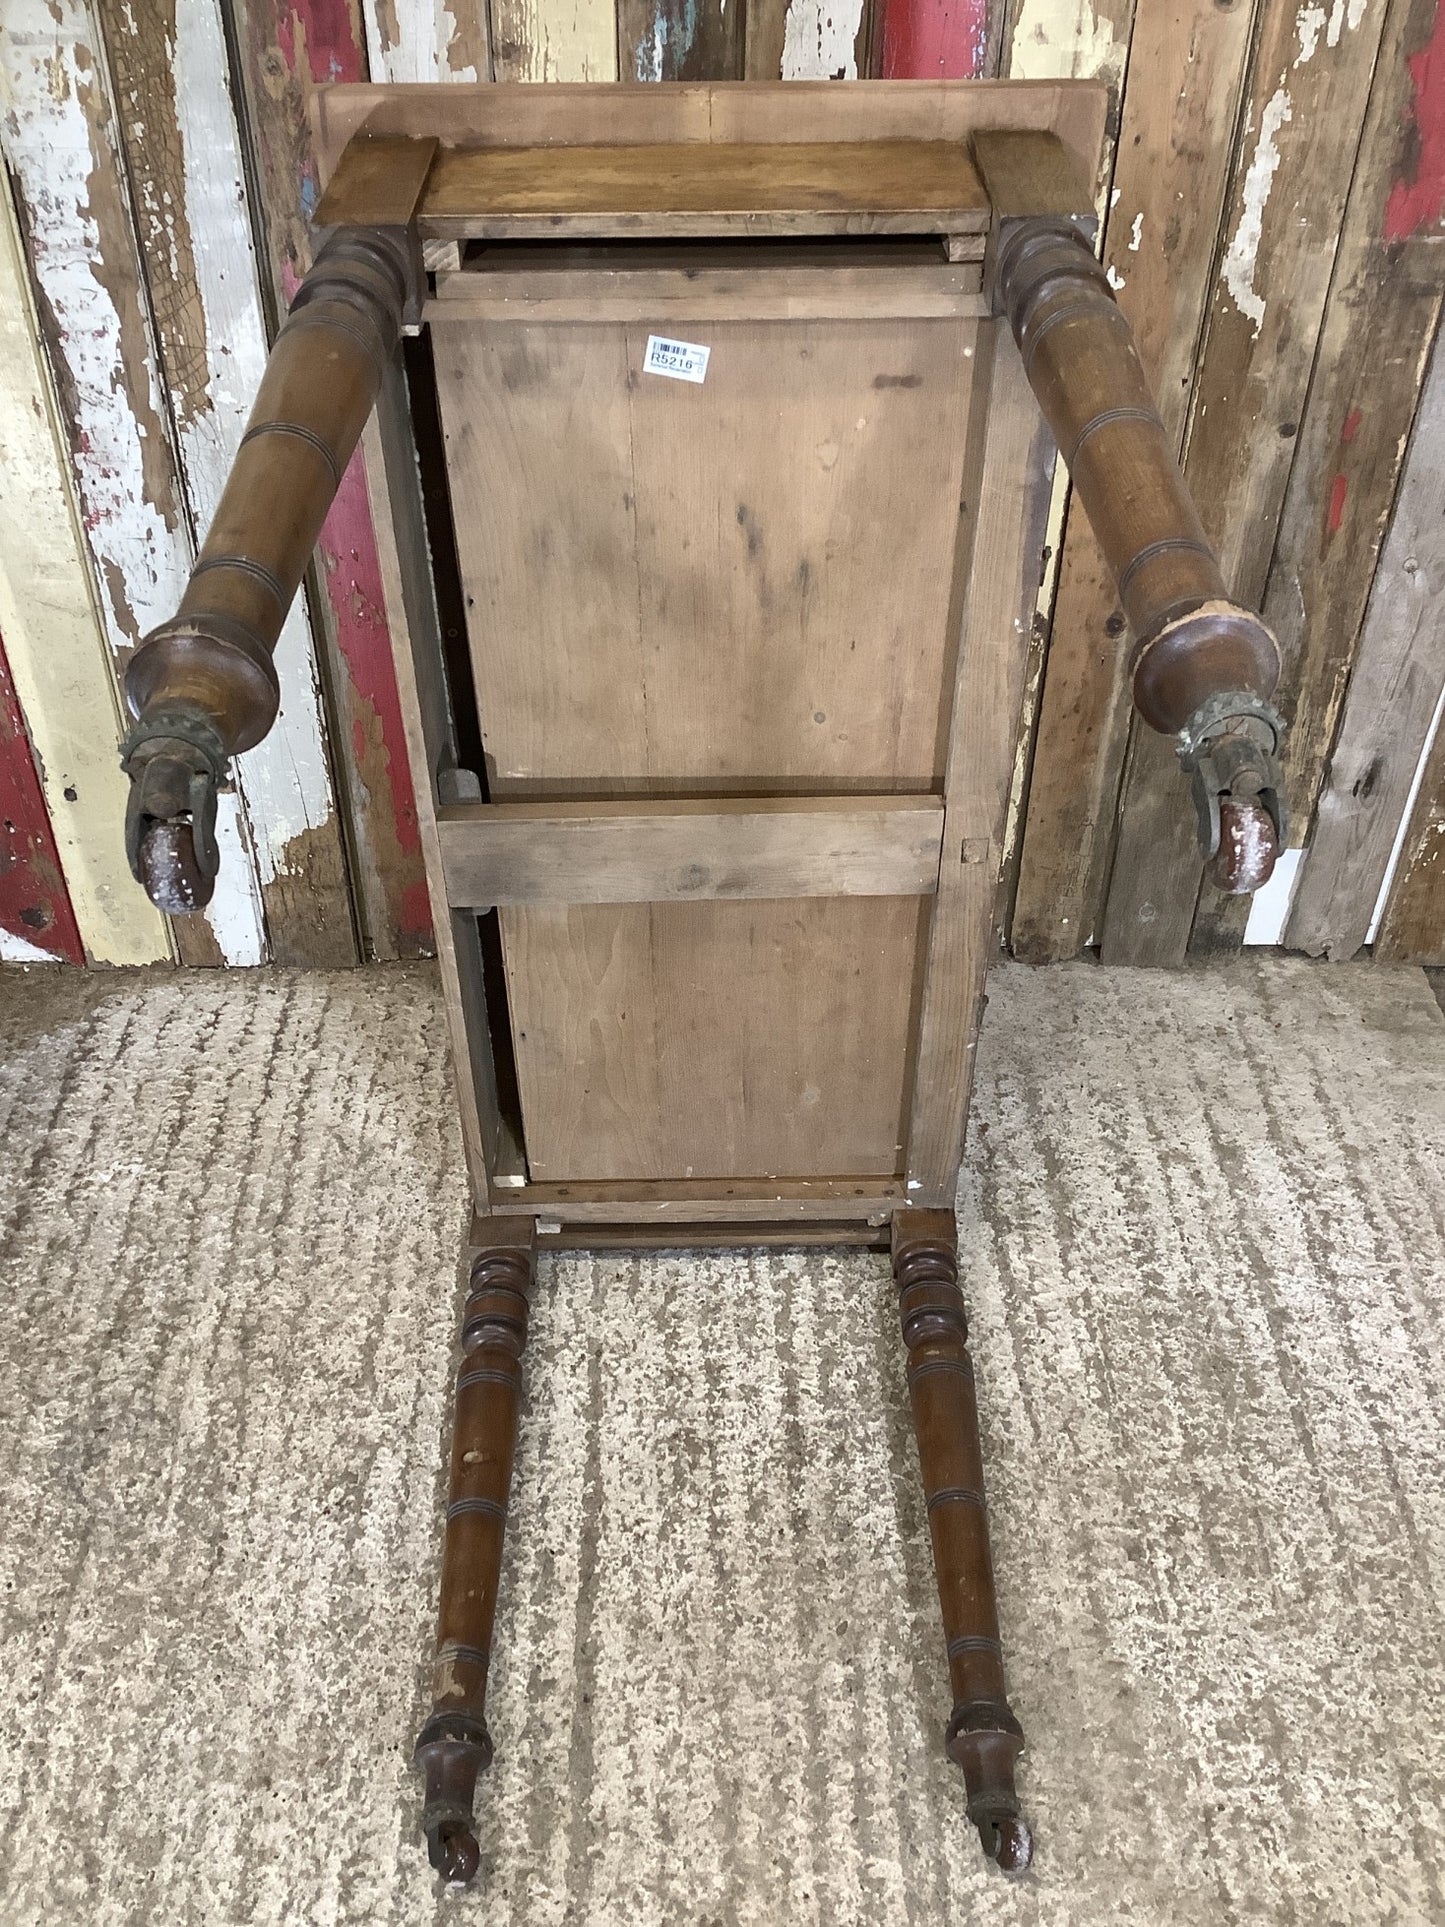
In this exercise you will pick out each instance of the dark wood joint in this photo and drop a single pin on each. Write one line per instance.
(1034, 184)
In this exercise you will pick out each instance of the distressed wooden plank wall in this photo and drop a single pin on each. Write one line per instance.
(1271, 207)
(58, 655)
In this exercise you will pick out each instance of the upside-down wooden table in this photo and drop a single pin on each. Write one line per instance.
(711, 490)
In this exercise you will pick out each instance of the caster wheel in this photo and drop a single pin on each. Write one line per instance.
(1008, 1841)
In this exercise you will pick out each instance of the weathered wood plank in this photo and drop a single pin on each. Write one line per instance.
(939, 39)
(744, 189)
(58, 653)
(1186, 68)
(553, 40)
(37, 924)
(59, 135)
(627, 112)
(1307, 95)
(1043, 41)
(816, 846)
(891, 281)
(1384, 305)
(286, 48)
(179, 140)
(1412, 925)
(1391, 707)
(423, 39)
(681, 39)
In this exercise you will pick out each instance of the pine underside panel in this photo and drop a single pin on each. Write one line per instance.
(733, 586)
(713, 1040)
(741, 586)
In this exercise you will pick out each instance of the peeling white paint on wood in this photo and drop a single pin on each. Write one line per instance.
(427, 40)
(58, 138)
(1243, 251)
(55, 645)
(17, 949)
(1066, 40)
(820, 40)
(285, 780)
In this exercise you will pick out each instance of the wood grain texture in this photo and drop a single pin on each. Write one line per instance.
(1306, 100)
(1045, 40)
(1392, 706)
(425, 40)
(1412, 924)
(60, 142)
(57, 650)
(394, 487)
(629, 113)
(285, 51)
(888, 280)
(879, 846)
(183, 158)
(740, 509)
(1009, 511)
(1186, 67)
(713, 1040)
(1384, 306)
(637, 192)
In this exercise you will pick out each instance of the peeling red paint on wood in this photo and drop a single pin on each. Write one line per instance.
(1335, 513)
(1417, 198)
(35, 906)
(935, 39)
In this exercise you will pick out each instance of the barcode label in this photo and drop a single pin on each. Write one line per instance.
(683, 360)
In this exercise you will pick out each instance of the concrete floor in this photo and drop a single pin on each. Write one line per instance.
(1204, 1243)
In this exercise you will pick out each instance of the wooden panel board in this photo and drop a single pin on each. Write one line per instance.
(1307, 95)
(57, 649)
(603, 580)
(1412, 925)
(709, 1040)
(1012, 494)
(873, 846)
(794, 187)
(285, 47)
(1392, 704)
(1045, 40)
(680, 40)
(389, 452)
(627, 114)
(1186, 64)
(824, 281)
(60, 146)
(1383, 309)
(414, 40)
(179, 138)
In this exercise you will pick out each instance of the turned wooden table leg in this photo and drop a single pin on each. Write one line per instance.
(454, 1746)
(983, 1737)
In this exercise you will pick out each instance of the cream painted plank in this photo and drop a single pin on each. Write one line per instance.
(427, 39)
(58, 133)
(56, 647)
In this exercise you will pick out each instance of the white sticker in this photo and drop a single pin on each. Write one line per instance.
(683, 360)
